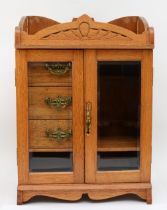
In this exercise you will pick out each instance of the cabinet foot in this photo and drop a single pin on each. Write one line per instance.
(19, 197)
(149, 196)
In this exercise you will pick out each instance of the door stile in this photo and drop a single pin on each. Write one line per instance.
(146, 115)
(78, 117)
(22, 116)
(90, 81)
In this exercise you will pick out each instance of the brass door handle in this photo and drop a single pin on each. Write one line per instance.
(88, 117)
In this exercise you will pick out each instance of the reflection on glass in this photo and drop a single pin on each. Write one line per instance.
(50, 162)
(110, 161)
(119, 85)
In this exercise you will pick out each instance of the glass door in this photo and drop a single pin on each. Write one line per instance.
(118, 117)
(55, 136)
(115, 136)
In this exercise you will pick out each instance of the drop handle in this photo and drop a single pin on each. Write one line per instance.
(88, 117)
(59, 134)
(59, 69)
(59, 102)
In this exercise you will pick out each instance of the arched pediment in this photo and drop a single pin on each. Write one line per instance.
(83, 32)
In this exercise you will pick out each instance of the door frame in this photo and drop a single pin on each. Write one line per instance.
(22, 59)
(91, 57)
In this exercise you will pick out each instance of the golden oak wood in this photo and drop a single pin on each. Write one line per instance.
(90, 96)
(22, 116)
(39, 109)
(117, 144)
(75, 191)
(146, 80)
(38, 138)
(93, 34)
(22, 58)
(38, 75)
(146, 115)
(83, 42)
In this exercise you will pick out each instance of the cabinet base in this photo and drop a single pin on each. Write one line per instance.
(73, 192)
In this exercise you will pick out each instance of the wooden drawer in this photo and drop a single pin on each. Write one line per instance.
(46, 74)
(44, 134)
(50, 103)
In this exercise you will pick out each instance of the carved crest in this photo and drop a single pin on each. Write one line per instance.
(85, 28)
(84, 32)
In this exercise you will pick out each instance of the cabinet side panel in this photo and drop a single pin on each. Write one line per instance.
(22, 116)
(146, 115)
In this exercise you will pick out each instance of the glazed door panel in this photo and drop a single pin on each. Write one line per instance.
(117, 100)
(50, 122)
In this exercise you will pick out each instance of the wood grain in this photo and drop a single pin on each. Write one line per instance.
(75, 191)
(146, 82)
(78, 117)
(134, 23)
(90, 80)
(39, 109)
(85, 33)
(32, 24)
(22, 58)
(39, 140)
(22, 116)
(146, 116)
(51, 177)
(83, 42)
(116, 144)
(38, 75)
(123, 176)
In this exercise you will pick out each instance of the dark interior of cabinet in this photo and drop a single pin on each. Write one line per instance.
(119, 93)
(119, 98)
(50, 162)
(113, 161)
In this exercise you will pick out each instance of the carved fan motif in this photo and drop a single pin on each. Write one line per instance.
(85, 32)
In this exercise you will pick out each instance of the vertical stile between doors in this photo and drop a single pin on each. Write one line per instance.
(90, 81)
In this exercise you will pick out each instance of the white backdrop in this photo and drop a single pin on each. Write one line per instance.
(64, 10)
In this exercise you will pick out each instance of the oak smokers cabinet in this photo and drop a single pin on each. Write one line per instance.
(84, 108)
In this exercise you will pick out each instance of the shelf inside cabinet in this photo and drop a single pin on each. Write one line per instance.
(51, 150)
(118, 143)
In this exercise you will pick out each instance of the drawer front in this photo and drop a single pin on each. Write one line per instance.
(50, 134)
(49, 73)
(50, 103)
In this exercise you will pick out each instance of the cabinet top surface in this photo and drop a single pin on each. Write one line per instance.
(131, 32)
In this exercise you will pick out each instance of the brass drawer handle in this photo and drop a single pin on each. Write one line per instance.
(59, 69)
(59, 102)
(59, 134)
(88, 117)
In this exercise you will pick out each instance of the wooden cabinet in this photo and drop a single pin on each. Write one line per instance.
(84, 108)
